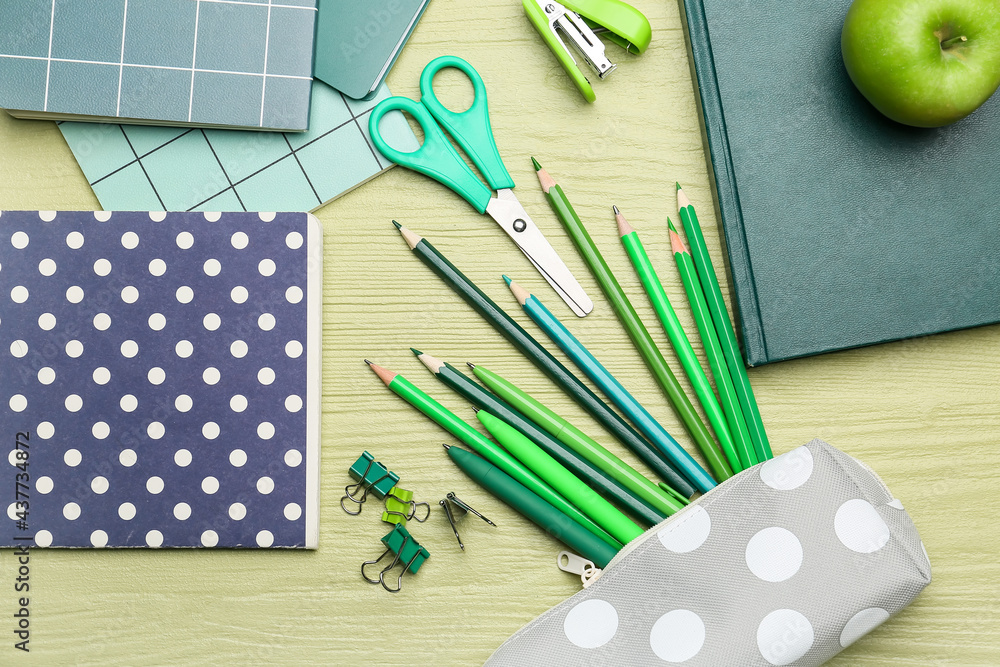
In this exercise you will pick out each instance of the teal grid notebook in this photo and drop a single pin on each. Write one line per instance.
(141, 168)
(842, 227)
(224, 63)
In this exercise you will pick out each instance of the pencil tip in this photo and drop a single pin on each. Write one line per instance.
(615, 209)
(470, 365)
(534, 162)
(670, 225)
(475, 409)
(446, 445)
(398, 226)
(677, 184)
(415, 351)
(368, 362)
(507, 280)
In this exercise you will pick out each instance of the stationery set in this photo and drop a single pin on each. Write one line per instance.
(164, 368)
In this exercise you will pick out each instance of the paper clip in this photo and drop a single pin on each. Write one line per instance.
(407, 550)
(372, 476)
(452, 499)
(400, 507)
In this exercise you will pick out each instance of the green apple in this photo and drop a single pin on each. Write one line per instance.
(923, 62)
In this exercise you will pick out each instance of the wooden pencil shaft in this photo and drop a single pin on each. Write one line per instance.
(724, 327)
(578, 440)
(621, 397)
(682, 346)
(548, 364)
(641, 339)
(713, 350)
(610, 488)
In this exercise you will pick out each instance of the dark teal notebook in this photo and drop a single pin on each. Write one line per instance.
(842, 228)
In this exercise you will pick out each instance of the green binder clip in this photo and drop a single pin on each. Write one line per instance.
(372, 476)
(407, 551)
(580, 21)
(400, 507)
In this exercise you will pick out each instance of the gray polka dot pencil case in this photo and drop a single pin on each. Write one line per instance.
(787, 563)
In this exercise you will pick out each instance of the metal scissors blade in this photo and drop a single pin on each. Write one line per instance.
(507, 211)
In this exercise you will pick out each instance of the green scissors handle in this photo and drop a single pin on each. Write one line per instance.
(470, 128)
(435, 158)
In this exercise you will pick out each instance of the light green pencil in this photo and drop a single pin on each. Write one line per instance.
(584, 498)
(679, 340)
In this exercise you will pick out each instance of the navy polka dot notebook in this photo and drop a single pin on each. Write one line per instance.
(160, 379)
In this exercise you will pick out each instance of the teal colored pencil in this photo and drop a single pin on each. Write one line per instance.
(620, 396)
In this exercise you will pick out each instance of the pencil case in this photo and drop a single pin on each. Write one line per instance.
(787, 563)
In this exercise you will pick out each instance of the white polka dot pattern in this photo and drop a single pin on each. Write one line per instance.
(785, 564)
(159, 358)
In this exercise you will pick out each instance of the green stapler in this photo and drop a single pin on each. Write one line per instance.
(580, 21)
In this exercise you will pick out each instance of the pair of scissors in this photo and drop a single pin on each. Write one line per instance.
(438, 159)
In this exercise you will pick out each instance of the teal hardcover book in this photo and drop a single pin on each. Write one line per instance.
(217, 63)
(842, 228)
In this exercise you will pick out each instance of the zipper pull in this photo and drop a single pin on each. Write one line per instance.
(570, 562)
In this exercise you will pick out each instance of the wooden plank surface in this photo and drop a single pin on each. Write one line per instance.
(922, 413)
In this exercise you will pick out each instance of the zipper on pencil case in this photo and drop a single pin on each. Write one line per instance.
(593, 574)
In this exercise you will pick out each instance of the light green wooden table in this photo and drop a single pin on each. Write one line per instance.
(922, 413)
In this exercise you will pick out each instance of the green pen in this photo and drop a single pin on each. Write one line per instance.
(447, 419)
(662, 497)
(536, 510)
(569, 486)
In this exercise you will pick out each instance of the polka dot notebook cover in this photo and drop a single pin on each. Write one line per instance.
(787, 563)
(160, 378)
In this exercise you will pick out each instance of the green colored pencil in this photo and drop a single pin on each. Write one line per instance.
(612, 489)
(675, 332)
(723, 325)
(447, 419)
(665, 499)
(538, 355)
(624, 310)
(713, 350)
(603, 513)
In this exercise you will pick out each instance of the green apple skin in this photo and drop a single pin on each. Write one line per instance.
(908, 59)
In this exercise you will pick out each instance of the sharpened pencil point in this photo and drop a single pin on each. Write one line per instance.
(534, 163)
(507, 280)
(624, 228)
(470, 364)
(670, 225)
(398, 226)
(677, 184)
(368, 362)
(615, 209)
(415, 351)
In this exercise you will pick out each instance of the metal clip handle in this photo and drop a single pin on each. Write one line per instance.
(570, 562)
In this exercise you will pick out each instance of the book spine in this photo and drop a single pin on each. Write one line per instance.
(744, 297)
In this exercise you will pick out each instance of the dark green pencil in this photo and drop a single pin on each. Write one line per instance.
(597, 479)
(541, 357)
